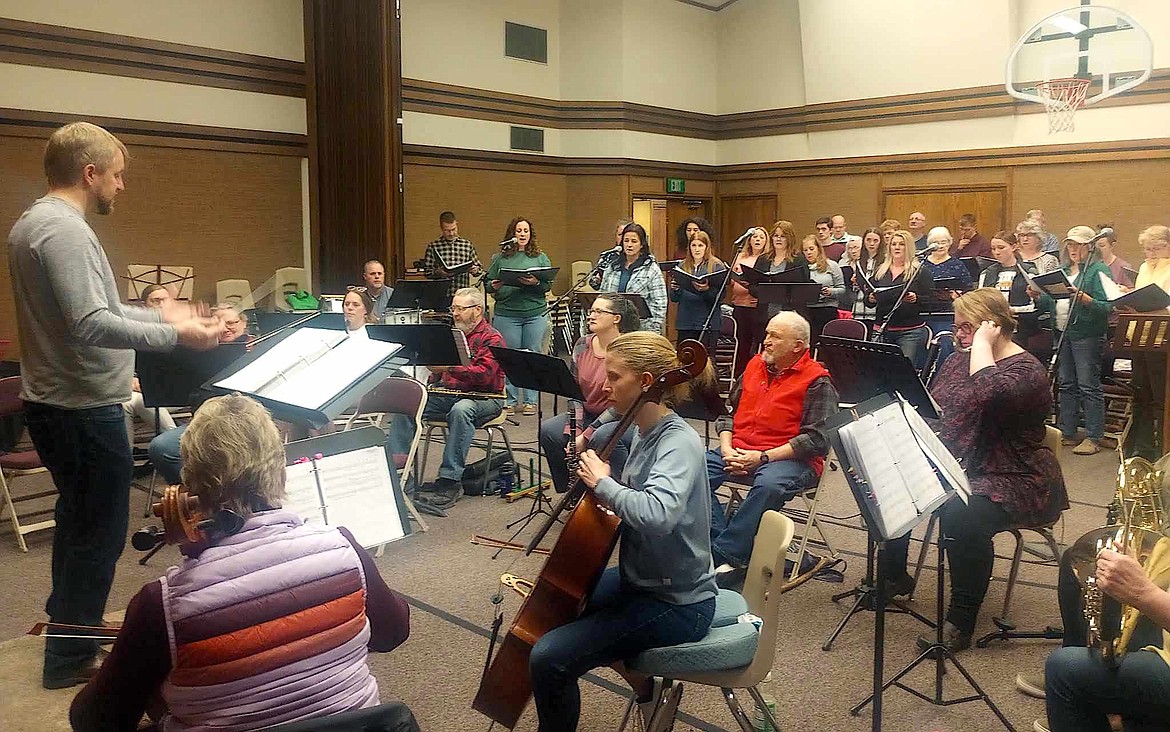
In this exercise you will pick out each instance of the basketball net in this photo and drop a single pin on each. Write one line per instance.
(1062, 98)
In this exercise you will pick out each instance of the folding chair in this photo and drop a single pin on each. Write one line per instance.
(395, 395)
(492, 426)
(846, 328)
(19, 464)
(235, 292)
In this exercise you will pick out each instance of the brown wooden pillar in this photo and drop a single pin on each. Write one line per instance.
(352, 50)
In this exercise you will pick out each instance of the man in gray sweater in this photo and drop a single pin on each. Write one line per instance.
(76, 369)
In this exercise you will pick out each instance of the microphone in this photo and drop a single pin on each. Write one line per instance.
(746, 234)
(930, 249)
(504, 244)
(1106, 233)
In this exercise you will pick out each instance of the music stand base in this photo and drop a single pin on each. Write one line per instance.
(865, 598)
(1005, 631)
(146, 558)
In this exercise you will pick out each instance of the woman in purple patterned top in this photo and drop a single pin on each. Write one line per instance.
(995, 397)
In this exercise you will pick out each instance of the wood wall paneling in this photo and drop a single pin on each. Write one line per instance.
(737, 214)
(943, 206)
(355, 163)
(804, 200)
(227, 214)
(38, 44)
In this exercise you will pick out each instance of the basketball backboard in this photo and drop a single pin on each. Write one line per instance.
(1095, 43)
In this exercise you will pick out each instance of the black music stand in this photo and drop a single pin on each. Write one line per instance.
(861, 372)
(420, 295)
(545, 374)
(423, 344)
(777, 296)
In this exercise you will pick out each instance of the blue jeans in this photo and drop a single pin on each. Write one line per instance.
(526, 333)
(553, 441)
(772, 486)
(617, 624)
(912, 342)
(164, 454)
(88, 455)
(1080, 386)
(1081, 691)
(462, 415)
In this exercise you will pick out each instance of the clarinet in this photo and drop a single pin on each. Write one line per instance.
(572, 459)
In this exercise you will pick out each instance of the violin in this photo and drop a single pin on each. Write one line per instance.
(559, 593)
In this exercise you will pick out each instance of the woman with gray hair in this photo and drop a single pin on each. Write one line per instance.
(252, 624)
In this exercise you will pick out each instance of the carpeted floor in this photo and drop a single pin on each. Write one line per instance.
(449, 583)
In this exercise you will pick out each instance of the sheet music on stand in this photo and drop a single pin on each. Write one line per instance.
(344, 479)
(895, 484)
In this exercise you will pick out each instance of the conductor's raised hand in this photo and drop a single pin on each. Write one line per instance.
(201, 334)
(592, 468)
(176, 312)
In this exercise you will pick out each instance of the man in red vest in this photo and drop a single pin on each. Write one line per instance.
(774, 438)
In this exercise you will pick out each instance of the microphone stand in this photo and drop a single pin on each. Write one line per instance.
(715, 307)
(880, 330)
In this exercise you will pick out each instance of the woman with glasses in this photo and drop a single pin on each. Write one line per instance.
(521, 313)
(695, 299)
(995, 398)
(358, 310)
(608, 318)
(1149, 369)
(904, 326)
(1083, 346)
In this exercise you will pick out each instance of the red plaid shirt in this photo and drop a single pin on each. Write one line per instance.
(483, 373)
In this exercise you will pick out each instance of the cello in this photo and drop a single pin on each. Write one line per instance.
(574, 565)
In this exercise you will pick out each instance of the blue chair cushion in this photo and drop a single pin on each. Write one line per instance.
(722, 649)
(728, 607)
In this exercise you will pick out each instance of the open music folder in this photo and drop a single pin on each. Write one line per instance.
(898, 468)
(344, 479)
(313, 371)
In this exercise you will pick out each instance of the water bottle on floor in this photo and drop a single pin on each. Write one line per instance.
(506, 479)
(760, 720)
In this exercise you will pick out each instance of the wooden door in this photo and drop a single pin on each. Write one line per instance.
(944, 206)
(739, 213)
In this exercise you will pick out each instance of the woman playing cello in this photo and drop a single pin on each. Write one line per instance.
(663, 590)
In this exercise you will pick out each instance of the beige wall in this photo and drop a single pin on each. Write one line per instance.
(261, 27)
(670, 55)
(761, 62)
(592, 49)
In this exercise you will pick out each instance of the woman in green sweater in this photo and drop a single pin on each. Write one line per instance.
(520, 313)
(1083, 346)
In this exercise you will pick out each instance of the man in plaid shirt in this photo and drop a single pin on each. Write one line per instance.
(452, 249)
(463, 414)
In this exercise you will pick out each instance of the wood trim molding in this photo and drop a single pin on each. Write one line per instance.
(461, 101)
(446, 157)
(937, 106)
(1150, 149)
(30, 123)
(52, 46)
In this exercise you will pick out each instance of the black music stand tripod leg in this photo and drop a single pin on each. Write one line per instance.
(939, 652)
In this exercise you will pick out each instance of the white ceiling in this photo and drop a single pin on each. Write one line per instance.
(715, 5)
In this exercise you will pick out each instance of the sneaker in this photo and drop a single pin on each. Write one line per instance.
(1069, 441)
(529, 410)
(75, 677)
(1040, 725)
(1031, 684)
(509, 411)
(1087, 447)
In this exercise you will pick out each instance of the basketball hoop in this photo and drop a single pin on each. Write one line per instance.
(1062, 98)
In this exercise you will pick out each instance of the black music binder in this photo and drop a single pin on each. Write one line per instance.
(345, 479)
(420, 295)
(176, 378)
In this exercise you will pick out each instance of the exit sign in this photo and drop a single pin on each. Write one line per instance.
(676, 185)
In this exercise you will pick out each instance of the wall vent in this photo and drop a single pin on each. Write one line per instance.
(525, 42)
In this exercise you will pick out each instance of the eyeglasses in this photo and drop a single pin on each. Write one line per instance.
(966, 328)
(355, 288)
(595, 311)
(461, 308)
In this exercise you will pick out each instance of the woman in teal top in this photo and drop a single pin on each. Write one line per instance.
(521, 313)
(1083, 347)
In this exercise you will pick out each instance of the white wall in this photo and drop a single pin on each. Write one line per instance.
(670, 55)
(261, 27)
(592, 55)
(462, 42)
(761, 63)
